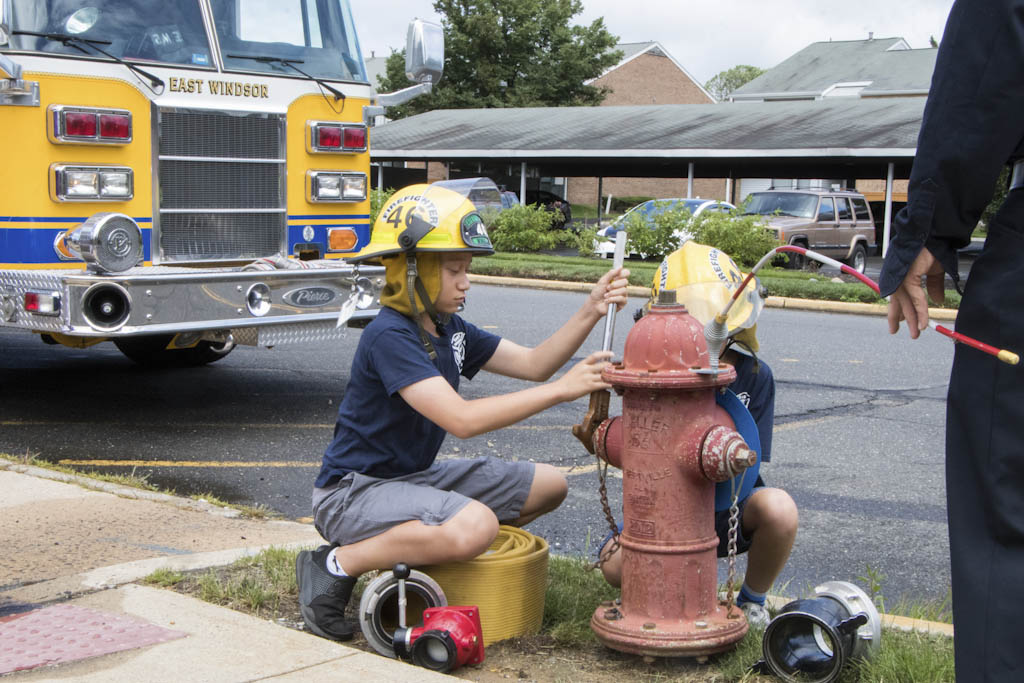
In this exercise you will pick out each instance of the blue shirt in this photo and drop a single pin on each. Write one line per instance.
(377, 433)
(756, 390)
(754, 387)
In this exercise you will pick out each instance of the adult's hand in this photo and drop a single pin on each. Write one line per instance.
(909, 301)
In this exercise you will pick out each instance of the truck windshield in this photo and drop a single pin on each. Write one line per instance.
(134, 30)
(795, 204)
(317, 35)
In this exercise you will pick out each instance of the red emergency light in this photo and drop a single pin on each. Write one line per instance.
(42, 303)
(116, 126)
(335, 136)
(89, 125)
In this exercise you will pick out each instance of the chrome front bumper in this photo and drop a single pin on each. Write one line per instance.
(163, 300)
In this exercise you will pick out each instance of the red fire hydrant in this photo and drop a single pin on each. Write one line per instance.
(672, 443)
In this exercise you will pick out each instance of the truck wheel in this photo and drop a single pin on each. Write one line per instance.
(151, 351)
(796, 261)
(858, 259)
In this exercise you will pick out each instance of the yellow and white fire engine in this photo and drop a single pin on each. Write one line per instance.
(178, 176)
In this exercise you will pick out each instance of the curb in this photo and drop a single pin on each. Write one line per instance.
(819, 305)
(121, 490)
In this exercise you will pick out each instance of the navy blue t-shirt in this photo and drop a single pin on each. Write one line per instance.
(377, 433)
(755, 387)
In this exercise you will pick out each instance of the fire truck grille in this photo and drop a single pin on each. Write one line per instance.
(222, 186)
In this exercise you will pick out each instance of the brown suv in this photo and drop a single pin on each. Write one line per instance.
(836, 223)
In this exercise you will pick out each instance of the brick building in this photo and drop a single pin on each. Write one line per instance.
(646, 74)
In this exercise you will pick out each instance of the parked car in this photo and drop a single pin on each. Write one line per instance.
(606, 236)
(836, 223)
(552, 202)
(509, 199)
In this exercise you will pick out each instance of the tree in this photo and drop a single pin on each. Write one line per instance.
(722, 85)
(511, 53)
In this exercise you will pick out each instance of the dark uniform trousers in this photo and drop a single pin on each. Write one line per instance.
(985, 461)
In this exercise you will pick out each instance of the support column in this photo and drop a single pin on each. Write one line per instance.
(380, 176)
(888, 209)
(600, 191)
(689, 180)
(728, 189)
(522, 183)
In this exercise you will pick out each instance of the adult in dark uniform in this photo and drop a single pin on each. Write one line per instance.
(974, 126)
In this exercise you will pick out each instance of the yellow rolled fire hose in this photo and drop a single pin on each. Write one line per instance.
(507, 583)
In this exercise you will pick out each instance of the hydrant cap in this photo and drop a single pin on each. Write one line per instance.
(663, 350)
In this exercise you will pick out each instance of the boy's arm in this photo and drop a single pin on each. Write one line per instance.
(541, 362)
(437, 401)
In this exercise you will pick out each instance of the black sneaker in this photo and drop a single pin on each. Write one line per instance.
(323, 596)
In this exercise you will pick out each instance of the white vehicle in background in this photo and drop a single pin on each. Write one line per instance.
(605, 246)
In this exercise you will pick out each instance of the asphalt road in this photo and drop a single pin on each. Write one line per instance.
(858, 439)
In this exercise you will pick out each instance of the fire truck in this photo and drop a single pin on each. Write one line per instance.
(181, 176)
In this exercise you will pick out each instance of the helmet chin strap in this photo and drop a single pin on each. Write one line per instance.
(414, 285)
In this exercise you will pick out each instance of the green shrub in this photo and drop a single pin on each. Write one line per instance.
(744, 238)
(661, 239)
(378, 198)
(586, 240)
(525, 228)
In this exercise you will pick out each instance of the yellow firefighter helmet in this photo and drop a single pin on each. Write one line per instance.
(705, 279)
(440, 217)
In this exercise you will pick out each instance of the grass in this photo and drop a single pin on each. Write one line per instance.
(264, 585)
(131, 480)
(798, 284)
(140, 481)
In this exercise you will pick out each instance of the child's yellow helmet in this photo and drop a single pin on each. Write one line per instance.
(704, 279)
(438, 217)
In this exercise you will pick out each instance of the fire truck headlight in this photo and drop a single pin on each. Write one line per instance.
(355, 187)
(82, 183)
(90, 183)
(335, 186)
(325, 187)
(116, 184)
(108, 242)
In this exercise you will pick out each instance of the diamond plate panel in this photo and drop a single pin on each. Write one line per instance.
(290, 334)
(14, 284)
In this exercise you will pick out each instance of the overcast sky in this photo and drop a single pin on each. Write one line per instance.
(705, 36)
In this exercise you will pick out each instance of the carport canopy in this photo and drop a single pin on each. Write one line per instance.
(842, 137)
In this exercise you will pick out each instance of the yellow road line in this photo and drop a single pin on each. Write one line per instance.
(802, 423)
(188, 463)
(573, 470)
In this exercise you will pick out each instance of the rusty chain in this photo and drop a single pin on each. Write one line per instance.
(734, 523)
(602, 474)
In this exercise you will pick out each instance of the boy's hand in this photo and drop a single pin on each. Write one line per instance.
(585, 377)
(610, 289)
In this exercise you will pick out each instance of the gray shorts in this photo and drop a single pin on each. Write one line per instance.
(359, 507)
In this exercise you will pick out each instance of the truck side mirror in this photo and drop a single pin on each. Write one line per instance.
(5, 21)
(424, 52)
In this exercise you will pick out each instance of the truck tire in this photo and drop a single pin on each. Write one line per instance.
(859, 258)
(151, 351)
(796, 261)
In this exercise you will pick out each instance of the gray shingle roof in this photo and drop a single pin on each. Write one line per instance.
(855, 131)
(820, 65)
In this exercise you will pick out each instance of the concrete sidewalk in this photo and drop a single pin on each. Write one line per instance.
(73, 548)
